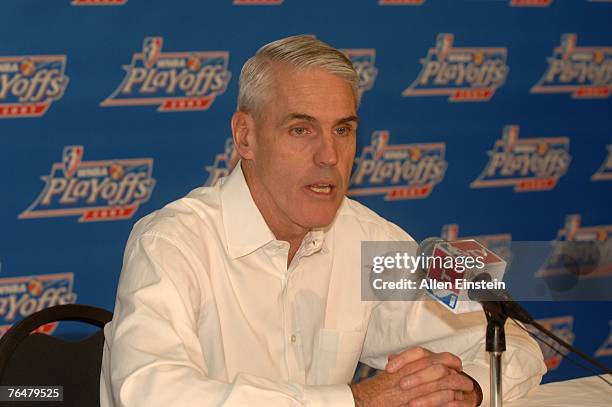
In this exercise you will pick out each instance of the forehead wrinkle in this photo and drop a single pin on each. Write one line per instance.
(299, 116)
(284, 90)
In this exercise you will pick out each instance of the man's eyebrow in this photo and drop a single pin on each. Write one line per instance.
(347, 119)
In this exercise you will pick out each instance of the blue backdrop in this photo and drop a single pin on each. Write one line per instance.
(489, 119)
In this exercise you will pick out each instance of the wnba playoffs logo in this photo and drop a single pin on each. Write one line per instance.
(95, 190)
(585, 72)
(400, 2)
(29, 84)
(258, 2)
(530, 3)
(98, 2)
(604, 173)
(224, 163)
(400, 171)
(23, 296)
(533, 164)
(363, 61)
(590, 254)
(174, 81)
(465, 74)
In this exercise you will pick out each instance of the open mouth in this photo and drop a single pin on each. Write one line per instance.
(322, 189)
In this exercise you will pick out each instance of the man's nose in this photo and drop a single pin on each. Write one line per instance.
(327, 151)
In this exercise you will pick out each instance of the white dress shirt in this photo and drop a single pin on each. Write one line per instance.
(208, 313)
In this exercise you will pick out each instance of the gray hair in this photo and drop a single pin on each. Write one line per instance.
(300, 51)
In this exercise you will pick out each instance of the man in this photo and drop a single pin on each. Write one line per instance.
(248, 292)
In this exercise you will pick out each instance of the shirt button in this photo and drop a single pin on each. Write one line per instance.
(293, 338)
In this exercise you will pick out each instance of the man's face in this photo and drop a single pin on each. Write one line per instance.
(304, 148)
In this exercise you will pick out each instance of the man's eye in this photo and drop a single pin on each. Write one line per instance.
(343, 131)
(299, 131)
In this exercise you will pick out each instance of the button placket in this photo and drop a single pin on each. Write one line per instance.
(292, 357)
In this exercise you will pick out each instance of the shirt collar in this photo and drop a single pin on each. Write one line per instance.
(245, 228)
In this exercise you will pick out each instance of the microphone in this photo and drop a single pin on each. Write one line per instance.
(451, 269)
(427, 245)
(461, 288)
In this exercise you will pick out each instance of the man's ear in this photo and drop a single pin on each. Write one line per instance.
(243, 132)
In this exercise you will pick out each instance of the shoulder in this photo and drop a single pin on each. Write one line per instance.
(168, 248)
(360, 219)
(184, 220)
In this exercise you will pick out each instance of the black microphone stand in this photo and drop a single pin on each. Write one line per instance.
(495, 346)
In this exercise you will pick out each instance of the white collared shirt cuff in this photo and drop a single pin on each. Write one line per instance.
(329, 395)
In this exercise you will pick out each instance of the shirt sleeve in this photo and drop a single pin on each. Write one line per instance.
(396, 326)
(153, 355)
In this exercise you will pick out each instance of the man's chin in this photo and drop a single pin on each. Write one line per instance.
(320, 222)
(318, 215)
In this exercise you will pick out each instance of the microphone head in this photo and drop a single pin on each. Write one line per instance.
(428, 244)
(486, 277)
(426, 249)
(448, 272)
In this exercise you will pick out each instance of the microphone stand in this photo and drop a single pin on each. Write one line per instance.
(495, 346)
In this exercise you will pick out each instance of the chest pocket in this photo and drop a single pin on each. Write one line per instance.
(336, 356)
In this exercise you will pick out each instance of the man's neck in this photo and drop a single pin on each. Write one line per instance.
(295, 240)
(282, 230)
